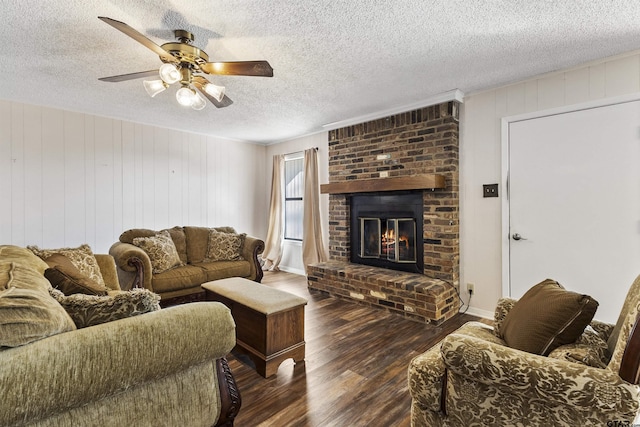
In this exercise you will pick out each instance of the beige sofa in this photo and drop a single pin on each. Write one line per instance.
(183, 282)
(472, 378)
(166, 367)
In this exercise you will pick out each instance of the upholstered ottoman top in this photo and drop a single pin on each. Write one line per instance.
(258, 297)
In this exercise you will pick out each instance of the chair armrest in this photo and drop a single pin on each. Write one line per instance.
(539, 377)
(426, 376)
(250, 250)
(72, 369)
(132, 259)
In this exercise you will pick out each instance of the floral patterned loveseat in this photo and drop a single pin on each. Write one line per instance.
(473, 379)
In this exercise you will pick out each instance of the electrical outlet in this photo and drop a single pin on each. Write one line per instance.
(471, 288)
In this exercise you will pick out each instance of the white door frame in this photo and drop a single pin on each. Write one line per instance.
(505, 122)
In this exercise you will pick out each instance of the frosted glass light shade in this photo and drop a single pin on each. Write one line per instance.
(154, 87)
(198, 102)
(169, 73)
(185, 96)
(216, 91)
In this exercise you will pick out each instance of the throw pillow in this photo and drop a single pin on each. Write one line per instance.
(63, 275)
(27, 312)
(224, 246)
(546, 317)
(82, 258)
(161, 250)
(90, 310)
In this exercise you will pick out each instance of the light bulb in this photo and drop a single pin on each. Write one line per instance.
(216, 91)
(154, 87)
(169, 73)
(185, 96)
(198, 102)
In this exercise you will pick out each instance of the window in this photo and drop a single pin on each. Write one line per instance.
(293, 192)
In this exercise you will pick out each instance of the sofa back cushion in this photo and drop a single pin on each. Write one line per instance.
(198, 241)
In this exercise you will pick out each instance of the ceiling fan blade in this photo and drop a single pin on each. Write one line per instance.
(239, 68)
(199, 82)
(140, 38)
(131, 76)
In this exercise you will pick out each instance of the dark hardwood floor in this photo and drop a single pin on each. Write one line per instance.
(355, 371)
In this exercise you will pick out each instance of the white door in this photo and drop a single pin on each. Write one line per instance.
(574, 203)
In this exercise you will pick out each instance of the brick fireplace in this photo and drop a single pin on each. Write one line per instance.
(409, 153)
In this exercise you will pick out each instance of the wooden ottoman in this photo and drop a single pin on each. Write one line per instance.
(269, 322)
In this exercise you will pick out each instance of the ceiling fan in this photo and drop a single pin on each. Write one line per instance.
(185, 64)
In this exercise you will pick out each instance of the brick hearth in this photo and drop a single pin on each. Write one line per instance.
(414, 296)
(424, 141)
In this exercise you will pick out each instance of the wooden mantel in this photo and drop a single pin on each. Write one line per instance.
(414, 182)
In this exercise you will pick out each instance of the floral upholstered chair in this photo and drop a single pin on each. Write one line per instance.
(473, 378)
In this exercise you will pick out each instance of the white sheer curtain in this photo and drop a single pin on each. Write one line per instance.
(313, 248)
(275, 234)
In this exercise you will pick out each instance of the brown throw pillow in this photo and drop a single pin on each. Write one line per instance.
(63, 275)
(546, 317)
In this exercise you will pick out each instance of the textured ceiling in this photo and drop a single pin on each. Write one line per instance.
(332, 60)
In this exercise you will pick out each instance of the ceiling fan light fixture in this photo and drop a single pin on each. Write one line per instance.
(198, 102)
(169, 73)
(214, 90)
(186, 96)
(154, 87)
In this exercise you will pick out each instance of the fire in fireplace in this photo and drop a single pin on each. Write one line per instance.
(386, 230)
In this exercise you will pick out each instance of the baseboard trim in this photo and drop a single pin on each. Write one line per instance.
(481, 313)
(292, 270)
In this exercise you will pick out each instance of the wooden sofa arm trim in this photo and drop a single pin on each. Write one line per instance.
(630, 364)
(257, 251)
(230, 400)
(138, 280)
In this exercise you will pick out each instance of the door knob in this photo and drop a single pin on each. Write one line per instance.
(516, 236)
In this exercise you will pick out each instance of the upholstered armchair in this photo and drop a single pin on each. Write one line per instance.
(472, 378)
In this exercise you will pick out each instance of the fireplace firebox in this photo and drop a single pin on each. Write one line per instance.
(386, 230)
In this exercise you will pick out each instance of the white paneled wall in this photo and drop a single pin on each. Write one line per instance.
(480, 156)
(69, 178)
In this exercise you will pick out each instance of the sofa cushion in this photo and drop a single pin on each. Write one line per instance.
(20, 255)
(224, 246)
(546, 317)
(82, 258)
(184, 277)
(223, 269)
(90, 310)
(198, 241)
(161, 250)
(180, 240)
(63, 275)
(27, 312)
